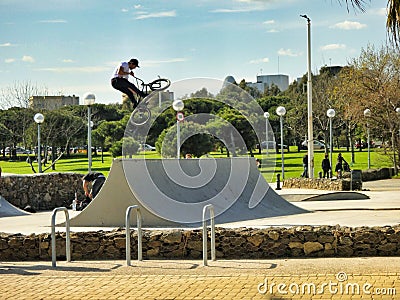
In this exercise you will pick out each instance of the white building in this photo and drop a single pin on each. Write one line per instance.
(265, 81)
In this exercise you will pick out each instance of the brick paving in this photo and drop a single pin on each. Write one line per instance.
(280, 279)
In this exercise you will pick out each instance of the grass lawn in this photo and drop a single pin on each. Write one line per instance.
(293, 162)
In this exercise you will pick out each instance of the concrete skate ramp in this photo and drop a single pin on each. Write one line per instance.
(162, 187)
(9, 210)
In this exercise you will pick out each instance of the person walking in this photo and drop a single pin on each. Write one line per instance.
(120, 80)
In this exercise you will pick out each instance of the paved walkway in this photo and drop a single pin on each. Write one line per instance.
(334, 278)
(317, 278)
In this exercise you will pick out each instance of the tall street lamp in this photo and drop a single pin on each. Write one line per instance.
(330, 113)
(39, 119)
(310, 142)
(367, 114)
(178, 106)
(281, 111)
(398, 113)
(266, 116)
(88, 100)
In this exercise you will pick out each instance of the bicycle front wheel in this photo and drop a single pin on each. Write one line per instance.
(140, 116)
(159, 84)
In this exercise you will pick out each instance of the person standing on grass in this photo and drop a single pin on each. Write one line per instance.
(305, 166)
(326, 166)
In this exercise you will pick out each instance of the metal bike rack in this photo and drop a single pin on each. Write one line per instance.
(53, 236)
(128, 233)
(209, 207)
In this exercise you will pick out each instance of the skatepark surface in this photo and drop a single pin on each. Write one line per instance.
(377, 205)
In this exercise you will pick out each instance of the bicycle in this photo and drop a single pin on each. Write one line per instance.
(142, 113)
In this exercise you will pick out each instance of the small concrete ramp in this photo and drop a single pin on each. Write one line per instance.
(172, 192)
(326, 196)
(9, 210)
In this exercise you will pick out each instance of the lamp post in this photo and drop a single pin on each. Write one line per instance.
(178, 106)
(330, 113)
(266, 116)
(281, 111)
(398, 113)
(310, 142)
(367, 114)
(88, 100)
(39, 119)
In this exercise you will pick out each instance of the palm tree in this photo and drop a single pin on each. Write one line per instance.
(393, 16)
(393, 20)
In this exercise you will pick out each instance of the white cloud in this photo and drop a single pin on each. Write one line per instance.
(9, 60)
(269, 22)
(66, 60)
(348, 25)
(75, 70)
(124, 10)
(236, 10)
(333, 47)
(260, 60)
(5, 45)
(288, 52)
(53, 21)
(149, 63)
(137, 6)
(273, 31)
(27, 58)
(378, 12)
(163, 14)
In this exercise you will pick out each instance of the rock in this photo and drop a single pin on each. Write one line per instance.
(273, 235)
(256, 239)
(172, 237)
(296, 245)
(310, 247)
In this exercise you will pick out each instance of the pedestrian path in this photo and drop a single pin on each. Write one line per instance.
(336, 278)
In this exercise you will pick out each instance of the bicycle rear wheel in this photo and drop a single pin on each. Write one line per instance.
(140, 116)
(159, 84)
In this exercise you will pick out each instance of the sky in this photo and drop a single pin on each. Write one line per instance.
(71, 47)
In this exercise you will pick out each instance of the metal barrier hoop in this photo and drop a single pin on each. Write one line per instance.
(53, 236)
(209, 207)
(128, 233)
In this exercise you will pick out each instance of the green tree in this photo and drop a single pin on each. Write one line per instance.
(194, 137)
(130, 146)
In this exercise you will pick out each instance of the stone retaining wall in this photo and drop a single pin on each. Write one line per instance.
(322, 184)
(241, 243)
(41, 191)
(344, 184)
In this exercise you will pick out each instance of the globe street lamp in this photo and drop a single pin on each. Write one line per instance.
(178, 106)
(39, 119)
(88, 100)
(367, 114)
(281, 111)
(310, 143)
(330, 113)
(266, 116)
